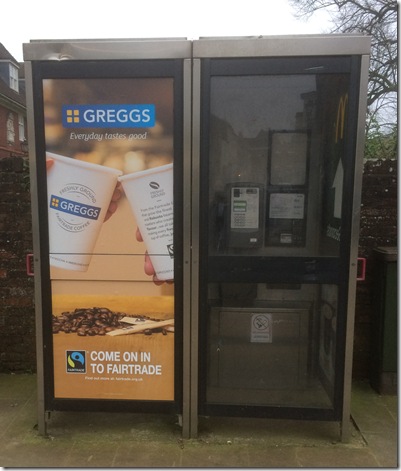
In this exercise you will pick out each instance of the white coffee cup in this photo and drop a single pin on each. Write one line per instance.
(150, 194)
(79, 194)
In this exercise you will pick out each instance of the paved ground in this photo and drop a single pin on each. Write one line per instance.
(138, 441)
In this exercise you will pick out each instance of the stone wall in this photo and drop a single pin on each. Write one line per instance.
(17, 318)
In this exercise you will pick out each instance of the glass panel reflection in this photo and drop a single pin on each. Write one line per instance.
(272, 345)
(275, 164)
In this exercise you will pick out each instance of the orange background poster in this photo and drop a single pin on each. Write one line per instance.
(137, 366)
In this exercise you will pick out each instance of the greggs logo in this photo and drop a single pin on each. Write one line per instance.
(108, 116)
(72, 207)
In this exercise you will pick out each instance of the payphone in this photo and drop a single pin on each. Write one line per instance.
(245, 228)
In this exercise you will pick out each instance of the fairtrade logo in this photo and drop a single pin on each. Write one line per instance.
(154, 185)
(108, 116)
(76, 361)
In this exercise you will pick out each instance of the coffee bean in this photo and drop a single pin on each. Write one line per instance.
(96, 321)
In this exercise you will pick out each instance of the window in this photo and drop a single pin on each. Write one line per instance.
(14, 77)
(10, 128)
(21, 127)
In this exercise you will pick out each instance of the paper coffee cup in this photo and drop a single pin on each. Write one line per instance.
(150, 194)
(79, 194)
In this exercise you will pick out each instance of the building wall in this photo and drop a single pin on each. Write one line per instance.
(6, 148)
(17, 318)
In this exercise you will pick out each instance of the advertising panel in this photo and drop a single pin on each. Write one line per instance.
(109, 160)
(335, 111)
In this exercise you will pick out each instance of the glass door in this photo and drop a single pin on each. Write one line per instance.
(276, 170)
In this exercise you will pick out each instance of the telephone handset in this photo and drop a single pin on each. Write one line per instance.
(245, 225)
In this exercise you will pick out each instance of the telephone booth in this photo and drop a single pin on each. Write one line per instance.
(280, 133)
(109, 338)
(249, 152)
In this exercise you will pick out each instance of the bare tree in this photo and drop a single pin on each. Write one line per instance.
(378, 19)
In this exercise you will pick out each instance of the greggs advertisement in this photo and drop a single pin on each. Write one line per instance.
(109, 163)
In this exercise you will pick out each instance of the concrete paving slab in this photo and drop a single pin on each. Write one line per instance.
(90, 440)
(336, 457)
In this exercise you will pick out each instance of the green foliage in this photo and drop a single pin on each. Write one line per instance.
(26, 177)
(379, 144)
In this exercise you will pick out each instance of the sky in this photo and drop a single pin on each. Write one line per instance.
(92, 19)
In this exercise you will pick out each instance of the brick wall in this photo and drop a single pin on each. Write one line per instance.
(378, 228)
(17, 318)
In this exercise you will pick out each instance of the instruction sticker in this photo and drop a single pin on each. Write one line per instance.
(287, 205)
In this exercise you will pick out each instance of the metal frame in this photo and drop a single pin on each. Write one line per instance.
(107, 49)
(353, 259)
(188, 256)
(195, 209)
(36, 252)
(282, 46)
